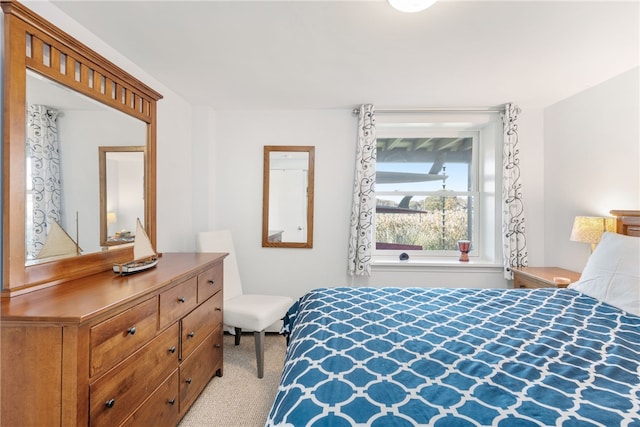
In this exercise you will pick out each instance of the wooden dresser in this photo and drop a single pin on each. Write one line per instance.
(106, 350)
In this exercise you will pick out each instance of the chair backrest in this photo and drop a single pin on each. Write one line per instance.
(221, 241)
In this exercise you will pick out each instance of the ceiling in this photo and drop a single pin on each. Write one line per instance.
(329, 54)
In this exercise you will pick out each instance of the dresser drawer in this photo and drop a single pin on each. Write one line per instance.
(178, 301)
(114, 339)
(162, 408)
(199, 367)
(200, 323)
(529, 282)
(114, 396)
(209, 282)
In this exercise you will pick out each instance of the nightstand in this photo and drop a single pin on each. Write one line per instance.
(543, 277)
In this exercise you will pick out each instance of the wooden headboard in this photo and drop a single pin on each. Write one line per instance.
(627, 222)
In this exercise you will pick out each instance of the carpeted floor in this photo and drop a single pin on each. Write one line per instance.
(239, 398)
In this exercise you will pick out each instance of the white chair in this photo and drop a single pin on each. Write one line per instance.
(250, 312)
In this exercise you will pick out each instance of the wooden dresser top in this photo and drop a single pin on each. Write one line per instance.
(82, 299)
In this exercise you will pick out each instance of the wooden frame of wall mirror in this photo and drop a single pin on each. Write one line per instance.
(288, 195)
(32, 43)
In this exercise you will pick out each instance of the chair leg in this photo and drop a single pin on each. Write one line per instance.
(238, 334)
(259, 336)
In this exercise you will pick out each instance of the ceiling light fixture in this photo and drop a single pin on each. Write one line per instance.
(411, 6)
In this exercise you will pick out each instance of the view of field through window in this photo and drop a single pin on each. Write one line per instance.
(436, 223)
(424, 193)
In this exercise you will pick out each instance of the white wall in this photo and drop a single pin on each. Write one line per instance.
(203, 173)
(238, 170)
(240, 138)
(592, 158)
(531, 144)
(175, 174)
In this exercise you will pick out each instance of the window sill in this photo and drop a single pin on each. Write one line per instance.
(431, 264)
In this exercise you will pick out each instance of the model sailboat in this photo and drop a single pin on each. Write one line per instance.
(144, 257)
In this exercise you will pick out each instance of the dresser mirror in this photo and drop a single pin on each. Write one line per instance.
(121, 194)
(287, 209)
(95, 104)
(79, 127)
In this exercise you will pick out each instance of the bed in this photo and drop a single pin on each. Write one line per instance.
(469, 357)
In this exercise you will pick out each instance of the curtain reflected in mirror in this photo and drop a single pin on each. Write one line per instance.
(44, 192)
(287, 213)
(122, 198)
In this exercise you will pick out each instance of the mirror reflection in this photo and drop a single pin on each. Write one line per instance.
(288, 196)
(122, 196)
(64, 131)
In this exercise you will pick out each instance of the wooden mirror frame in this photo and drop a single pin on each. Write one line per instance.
(104, 197)
(266, 241)
(61, 58)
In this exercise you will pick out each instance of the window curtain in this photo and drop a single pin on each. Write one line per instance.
(513, 224)
(364, 199)
(43, 155)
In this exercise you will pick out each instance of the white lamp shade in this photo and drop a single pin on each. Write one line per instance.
(410, 6)
(589, 229)
(111, 217)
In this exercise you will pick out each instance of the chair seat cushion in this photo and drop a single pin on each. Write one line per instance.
(255, 312)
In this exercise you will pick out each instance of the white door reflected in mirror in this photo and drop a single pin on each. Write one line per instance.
(288, 197)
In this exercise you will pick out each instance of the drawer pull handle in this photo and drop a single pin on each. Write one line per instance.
(211, 282)
(218, 308)
(217, 346)
(181, 299)
(188, 381)
(109, 403)
(191, 334)
(131, 330)
(172, 349)
(171, 401)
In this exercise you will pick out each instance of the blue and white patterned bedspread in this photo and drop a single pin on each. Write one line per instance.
(458, 357)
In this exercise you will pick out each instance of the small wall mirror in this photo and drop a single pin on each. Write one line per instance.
(287, 208)
(122, 196)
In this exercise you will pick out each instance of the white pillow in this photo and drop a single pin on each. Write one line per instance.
(612, 273)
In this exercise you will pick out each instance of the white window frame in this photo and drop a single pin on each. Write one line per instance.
(486, 169)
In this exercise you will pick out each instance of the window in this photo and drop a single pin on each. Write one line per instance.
(436, 185)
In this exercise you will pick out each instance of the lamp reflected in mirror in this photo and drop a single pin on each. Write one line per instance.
(111, 220)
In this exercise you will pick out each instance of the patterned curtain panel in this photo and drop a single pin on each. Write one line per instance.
(44, 194)
(364, 198)
(513, 225)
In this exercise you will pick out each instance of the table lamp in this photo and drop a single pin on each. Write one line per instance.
(589, 229)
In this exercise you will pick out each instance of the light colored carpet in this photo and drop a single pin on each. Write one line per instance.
(239, 398)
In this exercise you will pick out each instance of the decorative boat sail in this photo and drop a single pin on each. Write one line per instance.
(58, 243)
(144, 257)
